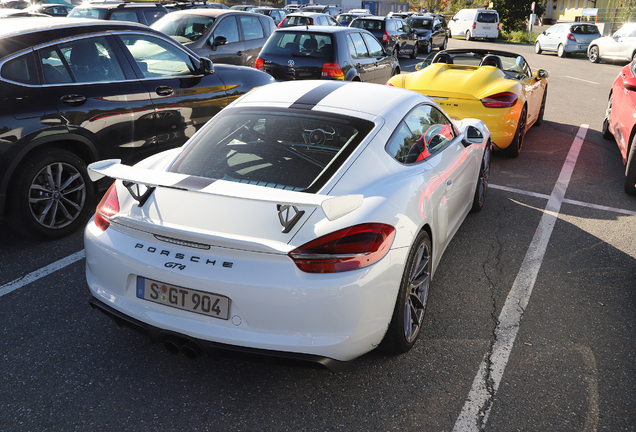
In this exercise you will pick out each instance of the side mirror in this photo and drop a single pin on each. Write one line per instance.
(388, 51)
(420, 66)
(630, 83)
(219, 40)
(543, 33)
(542, 73)
(207, 67)
(472, 135)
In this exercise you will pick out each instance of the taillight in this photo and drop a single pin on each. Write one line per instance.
(385, 37)
(347, 249)
(389, 84)
(474, 25)
(497, 26)
(500, 100)
(332, 70)
(571, 37)
(107, 208)
(260, 64)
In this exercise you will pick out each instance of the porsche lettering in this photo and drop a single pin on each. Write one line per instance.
(180, 256)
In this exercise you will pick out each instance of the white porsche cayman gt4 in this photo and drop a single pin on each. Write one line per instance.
(304, 221)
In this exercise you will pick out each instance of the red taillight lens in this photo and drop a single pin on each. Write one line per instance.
(348, 249)
(500, 100)
(385, 37)
(259, 64)
(497, 27)
(571, 37)
(107, 208)
(389, 84)
(474, 25)
(332, 70)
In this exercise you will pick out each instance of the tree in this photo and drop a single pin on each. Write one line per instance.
(513, 13)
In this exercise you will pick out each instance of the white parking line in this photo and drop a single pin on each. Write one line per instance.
(476, 410)
(565, 201)
(38, 274)
(580, 79)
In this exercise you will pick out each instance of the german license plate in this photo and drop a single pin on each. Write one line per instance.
(487, 27)
(187, 299)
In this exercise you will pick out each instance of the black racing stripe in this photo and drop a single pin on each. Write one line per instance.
(312, 98)
(193, 183)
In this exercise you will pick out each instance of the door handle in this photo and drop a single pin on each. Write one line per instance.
(239, 53)
(73, 99)
(164, 91)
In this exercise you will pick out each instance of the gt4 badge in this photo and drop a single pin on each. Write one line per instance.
(287, 218)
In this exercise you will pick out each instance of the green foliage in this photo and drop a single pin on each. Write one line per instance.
(513, 13)
(520, 37)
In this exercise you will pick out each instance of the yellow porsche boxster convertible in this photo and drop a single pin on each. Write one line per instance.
(497, 87)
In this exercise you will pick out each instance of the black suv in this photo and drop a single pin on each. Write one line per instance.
(75, 91)
(393, 33)
(333, 10)
(431, 31)
(143, 13)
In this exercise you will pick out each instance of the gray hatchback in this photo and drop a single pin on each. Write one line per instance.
(566, 38)
(223, 35)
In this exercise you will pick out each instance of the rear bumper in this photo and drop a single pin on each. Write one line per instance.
(215, 349)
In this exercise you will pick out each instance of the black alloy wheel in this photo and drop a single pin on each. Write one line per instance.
(608, 112)
(542, 109)
(482, 180)
(51, 195)
(512, 151)
(410, 305)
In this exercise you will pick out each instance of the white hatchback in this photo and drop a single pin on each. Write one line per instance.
(475, 23)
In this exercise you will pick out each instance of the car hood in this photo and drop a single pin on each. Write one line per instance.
(423, 32)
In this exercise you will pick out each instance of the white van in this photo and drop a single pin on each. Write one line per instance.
(475, 23)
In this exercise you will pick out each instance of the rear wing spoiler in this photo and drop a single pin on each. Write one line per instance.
(286, 201)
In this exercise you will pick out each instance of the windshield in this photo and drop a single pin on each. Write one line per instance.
(345, 19)
(420, 23)
(81, 12)
(184, 28)
(286, 149)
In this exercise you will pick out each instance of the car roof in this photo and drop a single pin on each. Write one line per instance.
(32, 25)
(210, 12)
(117, 4)
(308, 14)
(317, 29)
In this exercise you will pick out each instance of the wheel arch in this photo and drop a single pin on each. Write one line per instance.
(77, 144)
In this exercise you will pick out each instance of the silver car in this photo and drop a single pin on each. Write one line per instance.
(567, 38)
(620, 46)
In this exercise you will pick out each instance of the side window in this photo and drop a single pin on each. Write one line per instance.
(375, 49)
(227, 28)
(20, 69)
(398, 26)
(252, 28)
(158, 58)
(90, 60)
(357, 46)
(53, 67)
(153, 15)
(424, 132)
(124, 15)
(390, 26)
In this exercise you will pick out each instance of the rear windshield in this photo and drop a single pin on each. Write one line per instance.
(345, 19)
(487, 17)
(305, 44)
(298, 21)
(371, 25)
(425, 24)
(584, 29)
(81, 12)
(286, 149)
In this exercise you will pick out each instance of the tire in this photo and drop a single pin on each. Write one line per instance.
(51, 195)
(412, 297)
(396, 51)
(482, 181)
(593, 54)
(542, 109)
(428, 48)
(606, 132)
(415, 50)
(537, 48)
(468, 35)
(512, 151)
(630, 169)
(561, 51)
(444, 45)
(395, 72)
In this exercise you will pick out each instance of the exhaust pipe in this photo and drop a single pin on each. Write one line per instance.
(172, 345)
(191, 350)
